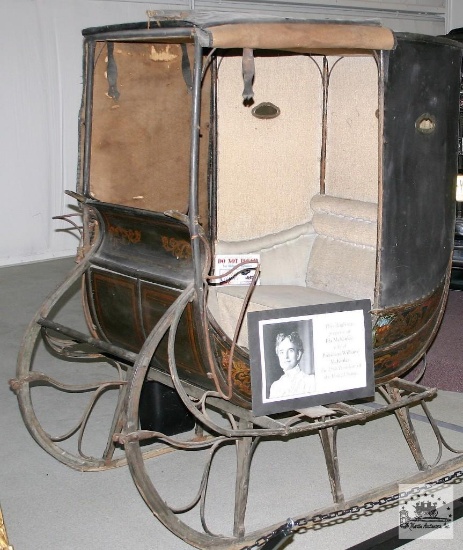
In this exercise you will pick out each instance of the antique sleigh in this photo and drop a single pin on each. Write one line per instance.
(326, 149)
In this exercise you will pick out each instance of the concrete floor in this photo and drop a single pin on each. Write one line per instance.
(47, 505)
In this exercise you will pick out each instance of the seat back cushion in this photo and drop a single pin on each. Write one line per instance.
(343, 256)
(283, 256)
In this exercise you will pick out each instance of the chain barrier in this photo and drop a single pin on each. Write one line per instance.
(273, 540)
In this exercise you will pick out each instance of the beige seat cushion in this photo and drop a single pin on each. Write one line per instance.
(342, 268)
(225, 303)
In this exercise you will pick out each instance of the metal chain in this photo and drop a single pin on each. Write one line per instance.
(286, 529)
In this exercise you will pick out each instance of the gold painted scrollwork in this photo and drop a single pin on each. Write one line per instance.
(179, 248)
(124, 235)
(241, 377)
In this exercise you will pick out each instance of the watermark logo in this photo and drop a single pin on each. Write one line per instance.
(425, 512)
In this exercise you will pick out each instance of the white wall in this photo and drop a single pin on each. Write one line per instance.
(40, 94)
(422, 16)
(454, 14)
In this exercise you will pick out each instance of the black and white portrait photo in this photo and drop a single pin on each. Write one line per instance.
(288, 356)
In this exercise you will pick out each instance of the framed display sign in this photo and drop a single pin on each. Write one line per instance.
(310, 355)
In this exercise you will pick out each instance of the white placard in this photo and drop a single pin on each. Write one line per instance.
(339, 352)
(243, 277)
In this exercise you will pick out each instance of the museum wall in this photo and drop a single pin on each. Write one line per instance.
(454, 17)
(41, 66)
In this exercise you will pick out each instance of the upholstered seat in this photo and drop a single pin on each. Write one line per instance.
(225, 303)
(340, 266)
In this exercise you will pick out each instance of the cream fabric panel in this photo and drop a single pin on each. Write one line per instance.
(352, 129)
(267, 169)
